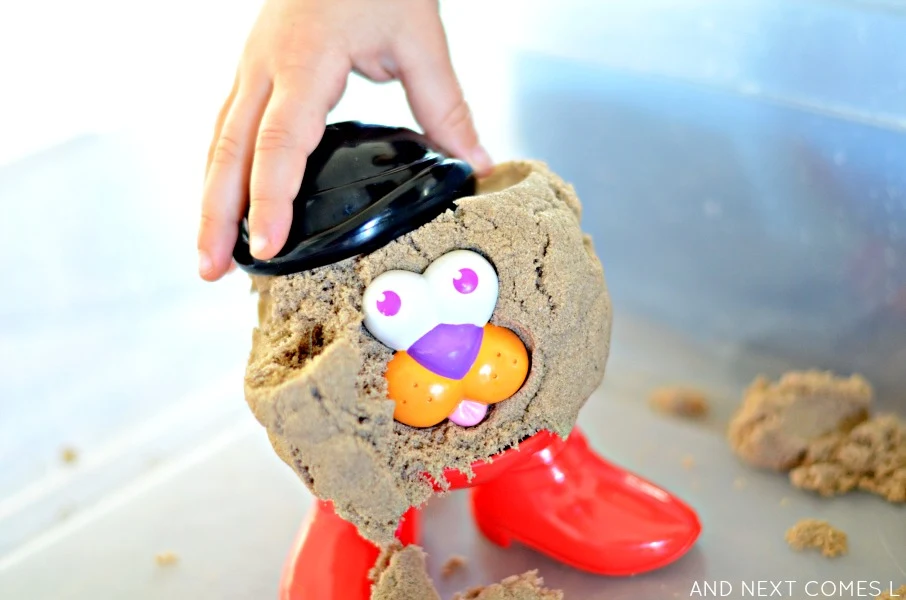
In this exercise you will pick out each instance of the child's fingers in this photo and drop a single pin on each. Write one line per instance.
(218, 125)
(291, 128)
(435, 96)
(226, 185)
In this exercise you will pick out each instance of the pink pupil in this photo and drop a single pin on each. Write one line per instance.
(390, 305)
(467, 282)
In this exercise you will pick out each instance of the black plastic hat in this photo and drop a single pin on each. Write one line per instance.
(364, 186)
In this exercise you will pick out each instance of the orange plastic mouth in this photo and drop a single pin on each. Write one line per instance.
(424, 398)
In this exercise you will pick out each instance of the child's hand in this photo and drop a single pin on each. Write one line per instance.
(292, 72)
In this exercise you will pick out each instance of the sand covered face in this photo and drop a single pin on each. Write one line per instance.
(316, 376)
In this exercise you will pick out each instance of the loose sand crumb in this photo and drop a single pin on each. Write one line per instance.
(785, 501)
(900, 592)
(680, 402)
(166, 559)
(688, 462)
(821, 535)
(69, 455)
(528, 586)
(453, 564)
(739, 483)
(65, 512)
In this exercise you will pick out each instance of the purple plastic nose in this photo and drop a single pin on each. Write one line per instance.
(448, 350)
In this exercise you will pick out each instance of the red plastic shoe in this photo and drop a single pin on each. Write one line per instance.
(575, 507)
(330, 560)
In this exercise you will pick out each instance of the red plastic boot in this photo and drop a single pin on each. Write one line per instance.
(570, 504)
(330, 560)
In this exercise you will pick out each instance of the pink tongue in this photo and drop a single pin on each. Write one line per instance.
(468, 413)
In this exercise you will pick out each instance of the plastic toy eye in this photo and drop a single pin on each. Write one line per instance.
(465, 285)
(399, 308)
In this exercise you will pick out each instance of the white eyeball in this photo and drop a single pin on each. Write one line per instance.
(399, 308)
(465, 285)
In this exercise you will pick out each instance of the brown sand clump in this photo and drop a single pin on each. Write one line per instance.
(871, 457)
(528, 586)
(680, 401)
(900, 592)
(401, 573)
(69, 455)
(315, 376)
(778, 421)
(816, 427)
(818, 535)
(453, 565)
(166, 559)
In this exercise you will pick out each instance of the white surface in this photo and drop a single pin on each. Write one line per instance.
(222, 507)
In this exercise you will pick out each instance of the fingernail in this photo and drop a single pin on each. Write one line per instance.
(480, 159)
(204, 263)
(257, 244)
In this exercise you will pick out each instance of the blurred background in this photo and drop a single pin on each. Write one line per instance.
(743, 170)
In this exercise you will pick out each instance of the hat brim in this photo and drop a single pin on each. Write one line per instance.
(404, 209)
